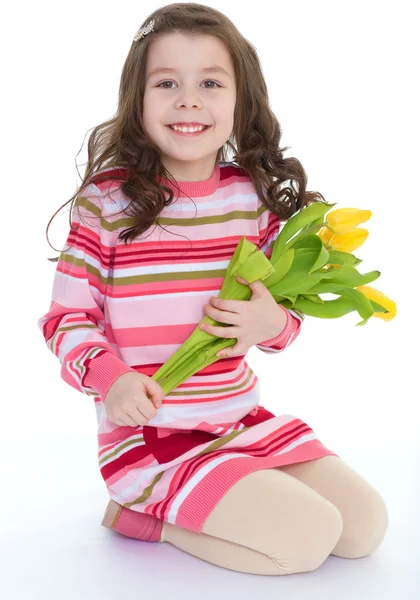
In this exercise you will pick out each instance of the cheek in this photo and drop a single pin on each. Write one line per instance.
(153, 116)
(146, 111)
(224, 118)
(152, 103)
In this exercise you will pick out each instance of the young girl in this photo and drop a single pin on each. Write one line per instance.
(159, 215)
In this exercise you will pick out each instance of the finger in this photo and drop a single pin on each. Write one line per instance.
(234, 306)
(231, 352)
(258, 286)
(154, 389)
(222, 316)
(138, 417)
(126, 420)
(147, 411)
(155, 399)
(222, 332)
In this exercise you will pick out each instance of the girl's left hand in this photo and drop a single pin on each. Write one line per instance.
(252, 321)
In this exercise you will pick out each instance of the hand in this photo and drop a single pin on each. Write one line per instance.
(252, 321)
(127, 401)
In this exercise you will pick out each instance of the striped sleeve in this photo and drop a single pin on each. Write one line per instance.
(269, 228)
(74, 326)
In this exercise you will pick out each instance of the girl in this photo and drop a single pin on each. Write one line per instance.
(159, 215)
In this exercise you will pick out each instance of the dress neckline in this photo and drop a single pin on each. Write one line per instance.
(206, 187)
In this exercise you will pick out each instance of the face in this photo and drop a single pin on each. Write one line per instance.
(190, 94)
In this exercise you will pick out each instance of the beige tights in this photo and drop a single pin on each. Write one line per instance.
(289, 520)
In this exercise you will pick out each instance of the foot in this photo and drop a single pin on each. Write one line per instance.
(132, 523)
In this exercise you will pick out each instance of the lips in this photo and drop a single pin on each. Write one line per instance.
(181, 124)
(188, 134)
(176, 124)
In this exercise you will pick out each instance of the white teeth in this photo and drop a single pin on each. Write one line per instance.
(187, 129)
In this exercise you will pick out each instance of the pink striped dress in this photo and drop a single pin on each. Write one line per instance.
(119, 308)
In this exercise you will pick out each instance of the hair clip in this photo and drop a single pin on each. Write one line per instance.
(144, 30)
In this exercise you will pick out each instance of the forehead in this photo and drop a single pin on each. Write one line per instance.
(177, 52)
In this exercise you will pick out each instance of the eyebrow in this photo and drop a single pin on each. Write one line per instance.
(214, 69)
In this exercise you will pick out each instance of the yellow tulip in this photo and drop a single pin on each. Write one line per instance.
(325, 234)
(343, 220)
(348, 242)
(379, 297)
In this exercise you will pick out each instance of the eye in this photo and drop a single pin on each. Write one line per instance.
(169, 81)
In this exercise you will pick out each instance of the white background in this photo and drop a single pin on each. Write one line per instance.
(342, 79)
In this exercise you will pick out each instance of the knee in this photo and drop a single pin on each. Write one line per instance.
(321, 543)
(314, 540)
(364, 531)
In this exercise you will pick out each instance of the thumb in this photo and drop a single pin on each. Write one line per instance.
(258, 288)
(154, 391)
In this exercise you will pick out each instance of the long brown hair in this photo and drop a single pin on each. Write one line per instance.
(122, 141)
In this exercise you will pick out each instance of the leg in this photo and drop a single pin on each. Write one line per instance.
(268, 523)
(229, 555)
(220, 552)
(362, 508)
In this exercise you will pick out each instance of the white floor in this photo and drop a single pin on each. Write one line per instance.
(53, 546)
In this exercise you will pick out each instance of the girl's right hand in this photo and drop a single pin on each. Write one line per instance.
(126, 402)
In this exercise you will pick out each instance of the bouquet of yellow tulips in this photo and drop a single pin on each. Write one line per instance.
(311, 255)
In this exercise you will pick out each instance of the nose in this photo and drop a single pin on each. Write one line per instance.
(188, 96)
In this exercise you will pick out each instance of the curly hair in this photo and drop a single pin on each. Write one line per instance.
(122, 141)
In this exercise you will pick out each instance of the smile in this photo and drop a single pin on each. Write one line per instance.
(189, 133)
